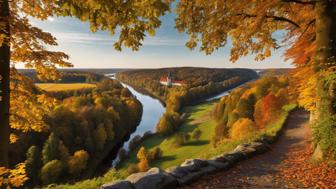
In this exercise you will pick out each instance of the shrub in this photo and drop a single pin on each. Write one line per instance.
(100, 137)
(143, 159)
(51, 171)
(50, 148)
(156, 153)
(196, 134)
(33, 163)
(242, 128)
(77, 163)
(179, 140)
(132, 168)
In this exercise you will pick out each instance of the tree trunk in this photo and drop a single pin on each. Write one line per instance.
(4, 82)
(325, 58)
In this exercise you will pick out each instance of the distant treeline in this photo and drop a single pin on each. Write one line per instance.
(200, 83)
(67, 77)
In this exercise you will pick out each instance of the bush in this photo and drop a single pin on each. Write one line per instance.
(154, 154)
(143, 158)
(242, 128)
(196, 134)
(77, 163)
(132, 168)
(33, 163)
(50, 149)
(51, 171)
(179, 140)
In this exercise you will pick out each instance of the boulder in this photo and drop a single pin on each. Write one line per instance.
(245, 149)
(220, 166)
(260, 147)
(234, 157)
(118, 185)
(154, 178)
(177, 172)
(194, 164)
(185, 176)
(191, 170)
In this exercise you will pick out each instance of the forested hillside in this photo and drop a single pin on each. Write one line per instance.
(75, 133)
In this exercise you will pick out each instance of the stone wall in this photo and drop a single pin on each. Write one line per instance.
(191, 169)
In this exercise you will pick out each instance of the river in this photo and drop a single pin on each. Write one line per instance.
(152, 112)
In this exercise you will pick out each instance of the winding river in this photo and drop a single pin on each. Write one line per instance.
(152, 112)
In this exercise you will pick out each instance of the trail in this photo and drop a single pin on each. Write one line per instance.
(262, 171)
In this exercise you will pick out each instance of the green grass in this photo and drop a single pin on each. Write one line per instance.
(53, 87)
(198, 116)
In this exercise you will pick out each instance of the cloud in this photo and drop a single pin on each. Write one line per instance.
(106, 39)
(51, 19)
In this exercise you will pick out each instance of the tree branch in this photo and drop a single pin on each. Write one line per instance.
(300, 2)
(276, 18)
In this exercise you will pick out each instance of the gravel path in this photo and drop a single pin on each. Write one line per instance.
(261, 170)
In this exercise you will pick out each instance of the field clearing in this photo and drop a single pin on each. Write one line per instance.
(64, 86)
(197, 117)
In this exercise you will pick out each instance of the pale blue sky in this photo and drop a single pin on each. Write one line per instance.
(166, 49)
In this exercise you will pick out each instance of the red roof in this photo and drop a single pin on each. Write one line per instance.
(165, 79)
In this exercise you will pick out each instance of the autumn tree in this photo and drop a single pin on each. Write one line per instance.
(196, 134)
(242, 128)
(77, 163)
(20, 42)
(33, 163)
(142, 156)
(50, 149)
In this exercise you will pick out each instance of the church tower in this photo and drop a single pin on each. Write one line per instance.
(169, 80)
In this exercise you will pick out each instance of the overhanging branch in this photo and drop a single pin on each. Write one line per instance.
(276, 18)
(300, 2)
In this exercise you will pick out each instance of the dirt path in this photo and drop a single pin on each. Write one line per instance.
(262, 171)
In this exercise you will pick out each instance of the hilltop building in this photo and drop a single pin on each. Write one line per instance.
(169, 81)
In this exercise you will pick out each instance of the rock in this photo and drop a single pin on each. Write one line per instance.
(220, 166)
(118, 185)
(154, 178)
(246, 149)
(193, 175)
(260, 147)
(234, 157)
(191, 170)
(178, 172)
(194, 164)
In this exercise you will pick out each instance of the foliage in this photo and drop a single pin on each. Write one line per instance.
(259, 101)
(323, 133)
(155, 154)
(33, 163)
(100, 136)
(179, 140)
(142, 156)
(13, 177)
(242, 127)
(196, 134)
(50, 149)
(51, 171)
(78, 162)
(132, 168)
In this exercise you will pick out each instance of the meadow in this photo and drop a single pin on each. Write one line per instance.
(54, 87)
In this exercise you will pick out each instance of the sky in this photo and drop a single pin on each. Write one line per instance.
(165, 49)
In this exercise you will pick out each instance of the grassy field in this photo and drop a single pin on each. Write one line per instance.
(198, 116)
(64, 86)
